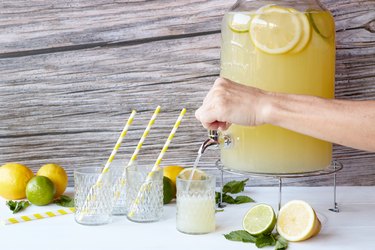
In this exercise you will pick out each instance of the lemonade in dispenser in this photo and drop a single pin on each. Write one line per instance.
(281, 46)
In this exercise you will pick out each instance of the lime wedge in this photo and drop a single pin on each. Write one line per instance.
(239, 22)
(322, 23)
(275, 30)
(260, 219)
(297, 221)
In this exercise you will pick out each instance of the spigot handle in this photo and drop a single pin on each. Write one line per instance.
(213, 134)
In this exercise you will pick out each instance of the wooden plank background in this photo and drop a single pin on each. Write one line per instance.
(72, 71)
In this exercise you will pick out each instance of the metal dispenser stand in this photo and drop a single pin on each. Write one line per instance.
(330, 170)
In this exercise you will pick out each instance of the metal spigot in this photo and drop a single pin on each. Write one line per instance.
(213, 140)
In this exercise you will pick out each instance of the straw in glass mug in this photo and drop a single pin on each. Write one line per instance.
(110, 159)
(145, 185)
(121, 183)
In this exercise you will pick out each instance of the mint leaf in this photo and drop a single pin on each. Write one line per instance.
(265, 240)
(17, 206)
(64, 201)
(228, 199)
(234, 187)
(240, 235)
(281, 243)
(242, 199)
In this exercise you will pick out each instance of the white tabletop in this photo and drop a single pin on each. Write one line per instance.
(352, 228)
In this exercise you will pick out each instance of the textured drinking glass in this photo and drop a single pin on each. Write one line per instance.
(150, 207)
(196, 205)
(94, 209)
(117, 168)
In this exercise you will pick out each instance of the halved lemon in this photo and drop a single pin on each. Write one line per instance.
(275, 30)
(297, 221)
(239, 22)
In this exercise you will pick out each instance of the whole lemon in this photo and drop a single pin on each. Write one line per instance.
(40, 190)
(13, 180)
(57, 175)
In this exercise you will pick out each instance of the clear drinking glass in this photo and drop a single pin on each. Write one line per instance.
(150, 207)
(117, 168)
(96, 208)
(196, 205)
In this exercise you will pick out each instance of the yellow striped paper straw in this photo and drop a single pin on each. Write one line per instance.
(117, 146)
(37, 216)
(110, 159)
(136, 151)
(143, 188)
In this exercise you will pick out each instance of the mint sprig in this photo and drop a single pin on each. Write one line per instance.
(17, 206)
(281, 243)
(260, 240)
(64, 201)
(265, 240)
(234, 187)
(240, 235)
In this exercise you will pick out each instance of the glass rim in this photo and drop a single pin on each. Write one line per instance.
(88, 170)
(210, 177)
(148, 170)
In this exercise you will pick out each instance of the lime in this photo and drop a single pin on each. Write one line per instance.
(239, 22)
(40, 190)
(260, 219)
(13, 180)
(57, 175)
(169, 190)
(275, 30)
(171, 172)
(297, 221)
(198, 174)
(323, 23)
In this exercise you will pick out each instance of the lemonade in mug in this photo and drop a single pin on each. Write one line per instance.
(282, 48)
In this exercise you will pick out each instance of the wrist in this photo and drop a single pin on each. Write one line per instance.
(267, 108)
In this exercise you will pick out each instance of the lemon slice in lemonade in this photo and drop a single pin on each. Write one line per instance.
(305, 32)
(275, 30)
(239, 22)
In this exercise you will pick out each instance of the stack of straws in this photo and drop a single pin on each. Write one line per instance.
(156, 166)
(120, 183)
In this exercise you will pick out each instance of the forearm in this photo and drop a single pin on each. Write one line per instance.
(349, 123)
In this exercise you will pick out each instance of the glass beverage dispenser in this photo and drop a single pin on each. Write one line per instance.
(282, 46)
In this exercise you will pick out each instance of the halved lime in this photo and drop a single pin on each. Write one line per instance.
(239, 22)
(260, 219)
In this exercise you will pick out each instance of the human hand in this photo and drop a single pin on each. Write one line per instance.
(228, 102)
